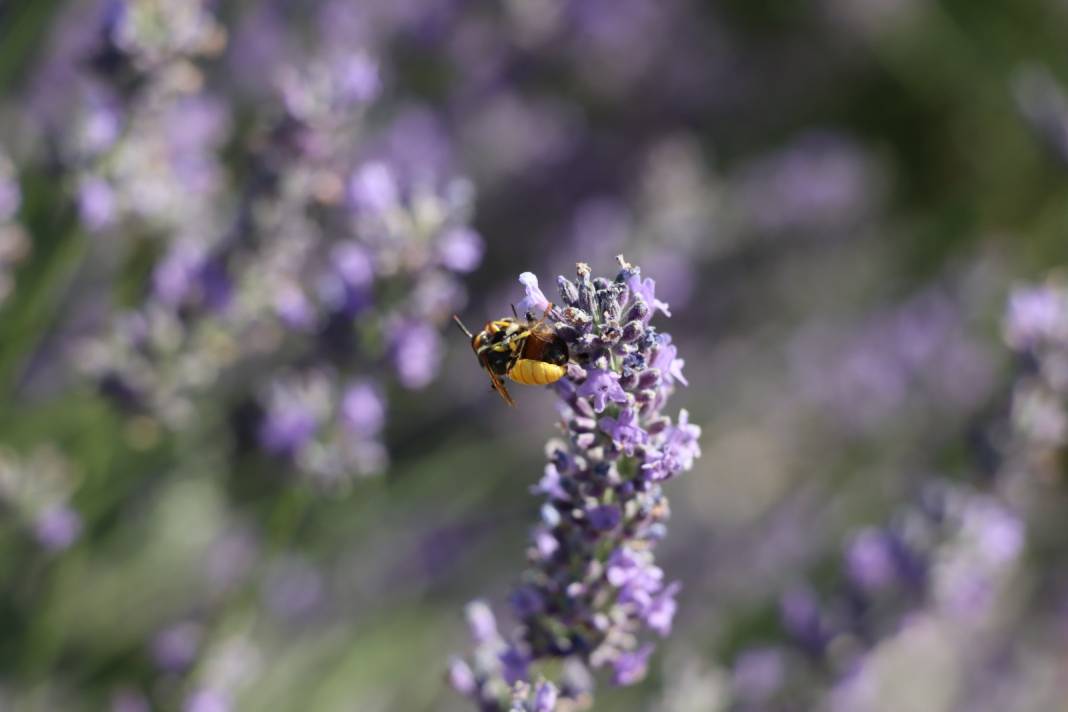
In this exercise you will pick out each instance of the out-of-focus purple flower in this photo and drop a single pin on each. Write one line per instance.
(545, 695)
(177, 275)
(460, 249)
(822, 181)
(57, 527)
(600, 386)
(416, 354)
(207, 700)
(801, 616)
(661, 611)
(461, 678)
(630, 667)
(353, 264)
(174, 648)
(534, 302)
(362, 409)
(286, 430)
(373, 188)
(96, 204)
(1035, 315)
(870, 560)
(481, 621)
(359, 78)
(293, 307)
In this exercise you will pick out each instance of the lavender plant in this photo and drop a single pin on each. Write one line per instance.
(948, 556)
(333, 269)
(592, 589)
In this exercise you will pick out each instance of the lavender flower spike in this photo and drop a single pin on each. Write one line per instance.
(592, 593)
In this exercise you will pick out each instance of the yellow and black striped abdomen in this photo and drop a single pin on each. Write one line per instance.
(535, 373)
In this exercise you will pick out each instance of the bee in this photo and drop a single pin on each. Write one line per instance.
(528, 352)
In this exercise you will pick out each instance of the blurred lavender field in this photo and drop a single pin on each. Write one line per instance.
(248, 463)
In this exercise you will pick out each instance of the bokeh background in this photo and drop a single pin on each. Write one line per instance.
(247, 463)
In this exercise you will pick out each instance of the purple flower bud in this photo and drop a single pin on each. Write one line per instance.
(605, 517)
(481, 621)
(633, 331)
(646, 289)
(568, 291)
(461, 678)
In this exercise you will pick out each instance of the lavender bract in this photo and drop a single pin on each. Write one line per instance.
(592, 586)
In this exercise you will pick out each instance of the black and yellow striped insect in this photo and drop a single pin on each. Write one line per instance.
(528, 352)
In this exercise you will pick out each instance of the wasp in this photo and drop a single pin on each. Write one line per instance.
(528, 352)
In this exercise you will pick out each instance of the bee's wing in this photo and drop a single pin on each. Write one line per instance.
(496, 381)
(542, 330)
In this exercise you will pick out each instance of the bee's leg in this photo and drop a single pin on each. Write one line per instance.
(505, 344)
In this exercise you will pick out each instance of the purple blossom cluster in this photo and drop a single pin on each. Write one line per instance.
(299, 299)
(592, 586)
(1036, 328)
(922, 348)
(949, 554)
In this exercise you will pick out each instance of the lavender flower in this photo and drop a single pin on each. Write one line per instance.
(592, 585)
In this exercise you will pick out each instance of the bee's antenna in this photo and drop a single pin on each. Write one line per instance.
(514, 312)
(462, 327)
